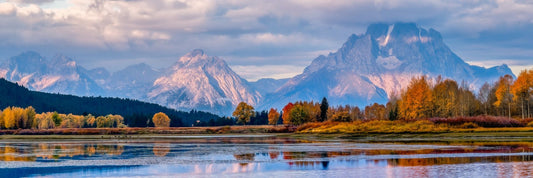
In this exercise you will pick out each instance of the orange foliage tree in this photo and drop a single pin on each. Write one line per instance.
(503, 94)
(243, 113)
(286, 113)
(161, 120)
(522, 89)
(273, 116)
(416, 100)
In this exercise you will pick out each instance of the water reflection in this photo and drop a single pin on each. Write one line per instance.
(234, 155)
(161, 149)
(55, 151)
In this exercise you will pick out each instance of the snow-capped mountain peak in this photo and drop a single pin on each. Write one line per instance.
(371, 66)
(60, 74)
(198, 81)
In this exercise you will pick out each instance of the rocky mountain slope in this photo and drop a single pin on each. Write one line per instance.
(367, 68)
(59, 74)
(198, 81)
(370, 67)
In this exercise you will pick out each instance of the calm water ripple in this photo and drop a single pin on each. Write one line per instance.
(260, 157)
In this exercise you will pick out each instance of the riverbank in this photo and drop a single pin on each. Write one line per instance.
(412, 132)
(151, 130)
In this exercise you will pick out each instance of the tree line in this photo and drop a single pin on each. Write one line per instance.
(135, 113)
(423, 98)
(27, 118)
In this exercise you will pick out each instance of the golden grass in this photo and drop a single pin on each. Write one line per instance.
(392, 127)
(375, 126)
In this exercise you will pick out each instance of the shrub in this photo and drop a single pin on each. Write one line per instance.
(469, 125)
(483, 121)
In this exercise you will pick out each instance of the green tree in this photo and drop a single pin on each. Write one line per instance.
(243, 113)
(324, 106)
(298, 115)
(57, 120)
(160, 119)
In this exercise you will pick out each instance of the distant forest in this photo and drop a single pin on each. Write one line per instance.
(135, 113)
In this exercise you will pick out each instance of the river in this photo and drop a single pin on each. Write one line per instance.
(260, 156)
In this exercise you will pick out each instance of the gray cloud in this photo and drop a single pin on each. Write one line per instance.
(252, 33)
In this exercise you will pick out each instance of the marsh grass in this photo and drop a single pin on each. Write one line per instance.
(434, 125)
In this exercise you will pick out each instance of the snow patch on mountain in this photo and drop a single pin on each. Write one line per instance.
(59, 74)
(198, 81)
(373, 66)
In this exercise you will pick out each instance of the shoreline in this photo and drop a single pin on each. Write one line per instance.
(253, 129)
(504, 135)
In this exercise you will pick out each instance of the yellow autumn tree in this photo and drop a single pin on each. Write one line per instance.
(445, 98)
(503, 94)
(243, 113)
(273, 116)
(416, 100)
(45, 120)
(375, 111)
(161, 120)
(9, 118)
(522, 89)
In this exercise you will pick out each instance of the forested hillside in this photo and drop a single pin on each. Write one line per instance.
(135, 113)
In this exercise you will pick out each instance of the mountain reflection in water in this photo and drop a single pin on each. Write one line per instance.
(202, 156)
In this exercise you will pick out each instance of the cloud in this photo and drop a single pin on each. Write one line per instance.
(31, 1)
(256, 72)
(252, 33)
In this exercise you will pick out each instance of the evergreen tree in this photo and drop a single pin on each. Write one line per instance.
(324, 106)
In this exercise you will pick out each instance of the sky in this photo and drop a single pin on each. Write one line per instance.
(258, 39)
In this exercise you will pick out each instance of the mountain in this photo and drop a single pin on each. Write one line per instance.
(60, 74)
(134, 81)
(372, 66)
(135, 113)
(201, 82)
(367, 68)
(99, 75)
(268, 85)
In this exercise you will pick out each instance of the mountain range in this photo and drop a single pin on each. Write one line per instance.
(367, 68)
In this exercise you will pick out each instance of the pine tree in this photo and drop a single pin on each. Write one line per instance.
(324, 106)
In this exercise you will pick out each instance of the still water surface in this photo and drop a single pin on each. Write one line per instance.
(264, 156)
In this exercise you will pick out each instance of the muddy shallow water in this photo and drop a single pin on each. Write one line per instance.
(261, 156)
